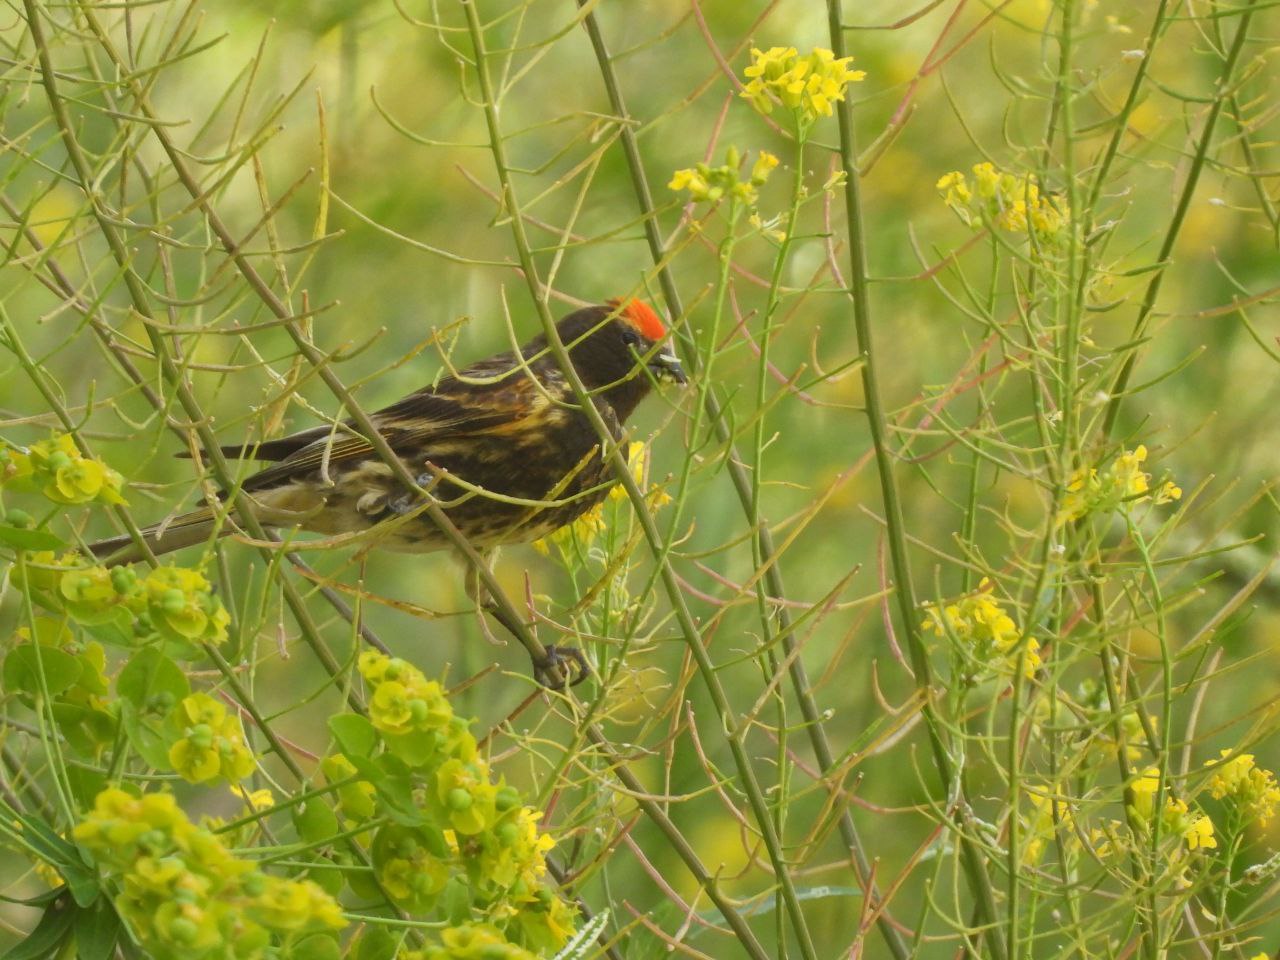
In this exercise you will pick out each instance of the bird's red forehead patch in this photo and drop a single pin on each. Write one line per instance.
(641, 316)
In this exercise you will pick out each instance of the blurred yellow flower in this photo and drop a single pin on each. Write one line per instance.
(591, 524)
(1253, 789)
(1010, 202)
(255, 800)
(991, 635)
(704, 183)
(1122, 484)
(765, 164)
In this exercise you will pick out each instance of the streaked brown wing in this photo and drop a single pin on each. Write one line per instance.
(480, 400)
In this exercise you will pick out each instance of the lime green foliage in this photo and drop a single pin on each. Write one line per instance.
(968, 563)
(183, 894)
(211, 743)
(462, 843)
(59, 471)
(470, 942)
(171, 605)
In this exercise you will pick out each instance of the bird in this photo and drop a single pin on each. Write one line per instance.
(502, 446)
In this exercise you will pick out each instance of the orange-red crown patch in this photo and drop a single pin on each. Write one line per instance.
(641, 316)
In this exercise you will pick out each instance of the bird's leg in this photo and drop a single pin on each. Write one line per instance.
(561, 667)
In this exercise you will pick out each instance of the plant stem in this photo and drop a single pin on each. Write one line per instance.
(772, 582)
(877, 421)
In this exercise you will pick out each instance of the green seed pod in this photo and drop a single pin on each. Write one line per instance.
(460, 800)
(174, 601)
(508, 798)
(20, 519)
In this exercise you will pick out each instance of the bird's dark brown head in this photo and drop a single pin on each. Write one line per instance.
(611, 345)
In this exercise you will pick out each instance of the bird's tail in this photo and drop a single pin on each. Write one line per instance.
(182, 531)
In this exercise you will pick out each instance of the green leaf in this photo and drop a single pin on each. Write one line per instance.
(82, 882)
(150, 680)
(376, 944)
(114, 633)
(355, 734)
(84, 727)
(455, 901)
(39, 900)
(85, 784)
(25, 539)
(46, 940)
(394, 783)
(415, 749)
(317, 946)
(147, 735)
(21, 670)
(315, 822)
(97, 931)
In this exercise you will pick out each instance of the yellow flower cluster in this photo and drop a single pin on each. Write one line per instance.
(1122, 484)
(1177, 819)
(1011, 202)
(1040, 827)
(1239, 779)
(706, 184)
(184, 894)
(988, 634)
(807, 86)
(58, 469)
(172, 603)
(210, 743)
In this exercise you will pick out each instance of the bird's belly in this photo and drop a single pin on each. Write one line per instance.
(517, 496)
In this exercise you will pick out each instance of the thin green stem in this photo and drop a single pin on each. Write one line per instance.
(772, 582)
(895, 521)
(735, 733)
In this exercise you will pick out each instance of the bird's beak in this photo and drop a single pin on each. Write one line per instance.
(666, 365)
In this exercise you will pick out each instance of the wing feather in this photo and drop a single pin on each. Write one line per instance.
(479, 401)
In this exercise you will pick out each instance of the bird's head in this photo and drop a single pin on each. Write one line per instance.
(619, 348)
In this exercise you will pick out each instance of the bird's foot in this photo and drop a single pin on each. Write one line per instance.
(562, 667)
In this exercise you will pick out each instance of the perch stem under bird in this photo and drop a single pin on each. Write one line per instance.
(502, 446)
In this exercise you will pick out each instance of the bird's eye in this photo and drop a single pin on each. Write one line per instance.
(630, 337)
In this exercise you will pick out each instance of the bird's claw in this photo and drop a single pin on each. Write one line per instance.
(554, 671)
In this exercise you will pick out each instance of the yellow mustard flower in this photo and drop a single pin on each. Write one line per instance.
(1177, 818)
(703, 183)
(1040, 825)
(255, 801)
(807, 86)
(1120, 485)
(989, 635)
(1194, 827)
(1011, 202)
(591, 524)
(1253, 789)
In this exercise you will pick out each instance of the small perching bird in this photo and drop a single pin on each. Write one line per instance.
(502, 445)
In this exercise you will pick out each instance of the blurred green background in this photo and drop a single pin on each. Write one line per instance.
(982, 96)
